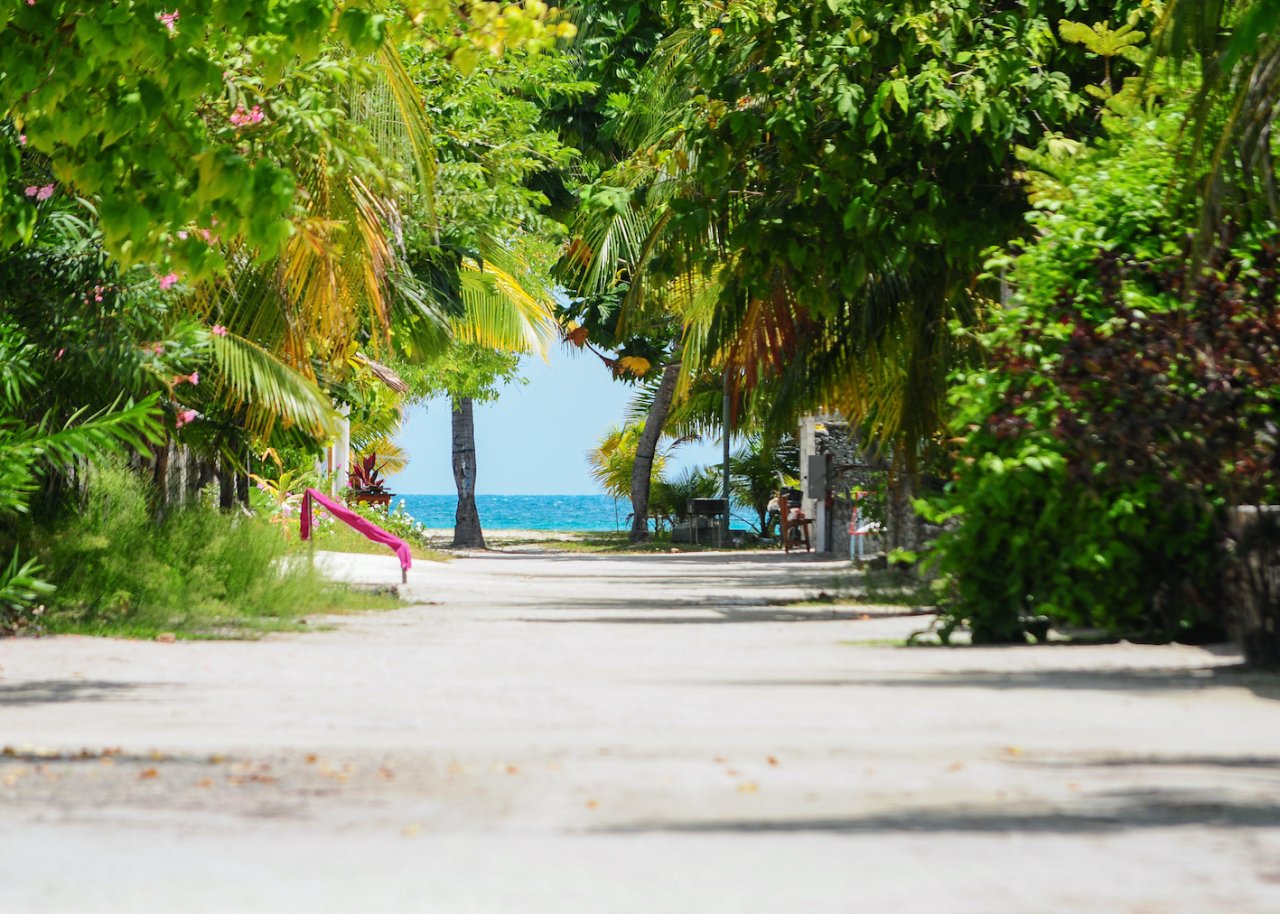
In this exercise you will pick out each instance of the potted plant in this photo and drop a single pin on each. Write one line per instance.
(367, 485)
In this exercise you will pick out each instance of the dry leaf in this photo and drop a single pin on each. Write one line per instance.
(205, 782)
(772, 760)
(593, 804)
(955, 766)
(148, 773)
(748, 787)
(311, 758)
(166, 637)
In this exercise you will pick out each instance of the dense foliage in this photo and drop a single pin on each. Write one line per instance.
(1128, 401)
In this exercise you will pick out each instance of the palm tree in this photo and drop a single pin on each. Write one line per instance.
(1237, 43)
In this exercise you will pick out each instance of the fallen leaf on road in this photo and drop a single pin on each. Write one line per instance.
(205, 782)
(166, 637)
(955, 766)
(1013, 751)
(311, 758)
(386, 773)
(410, 830)
(593, 804)
(148, 773)
(748, 787)
(772, 761)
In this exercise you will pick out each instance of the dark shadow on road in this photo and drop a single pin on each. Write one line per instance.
(1264, 762)
(725, 615)
(1122, 811)
(58, 691)
(1264, 685)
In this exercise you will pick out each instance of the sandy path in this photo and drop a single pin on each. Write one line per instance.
(639, 734)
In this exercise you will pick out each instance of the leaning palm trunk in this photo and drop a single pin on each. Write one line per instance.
(466, 527)
(642, 470)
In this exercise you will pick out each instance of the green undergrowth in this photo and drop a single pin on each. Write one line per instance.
(336, 537)
(196, 572)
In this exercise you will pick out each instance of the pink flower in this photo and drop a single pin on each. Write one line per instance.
(22, 139)
(44, 193)
(32, 191)
(61, 353)
(182, 236)
(170, 20)
(242, 118)
(218, 330)
(168, 280)
(193, 378)
(183, 417)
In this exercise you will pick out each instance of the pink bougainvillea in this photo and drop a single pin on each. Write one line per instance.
(183, 417)
(170, 20)
(219, 330)
(168, 280)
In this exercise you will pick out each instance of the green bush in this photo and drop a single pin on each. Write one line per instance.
(119, 570)
(1122, 407)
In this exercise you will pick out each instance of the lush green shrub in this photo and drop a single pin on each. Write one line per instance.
(196, 570)
(1122, 407)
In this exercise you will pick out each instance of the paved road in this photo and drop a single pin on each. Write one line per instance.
(641, 734)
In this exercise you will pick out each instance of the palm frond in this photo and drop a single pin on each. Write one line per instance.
(500, 312)
(269, 390)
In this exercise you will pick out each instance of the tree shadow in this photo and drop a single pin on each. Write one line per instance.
(665, 613)
(1119, 811)
(60, 691)
(1204, 676)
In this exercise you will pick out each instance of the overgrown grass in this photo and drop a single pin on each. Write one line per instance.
(197, 573)
(337, 537)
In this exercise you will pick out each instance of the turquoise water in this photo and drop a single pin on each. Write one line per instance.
(524, 512)
(528, 512)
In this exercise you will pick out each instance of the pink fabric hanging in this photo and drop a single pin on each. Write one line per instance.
(353, 520)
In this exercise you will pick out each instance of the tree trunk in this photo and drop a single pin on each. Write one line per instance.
(226, 484)
(466, 525)
(903, 525)
(642, 470)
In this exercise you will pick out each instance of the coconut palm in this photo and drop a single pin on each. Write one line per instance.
(1237, 44)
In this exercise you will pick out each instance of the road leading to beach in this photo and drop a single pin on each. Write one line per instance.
(557, 733)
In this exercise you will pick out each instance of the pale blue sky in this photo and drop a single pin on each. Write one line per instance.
(534, 439)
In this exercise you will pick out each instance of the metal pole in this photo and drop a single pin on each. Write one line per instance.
(724, 521)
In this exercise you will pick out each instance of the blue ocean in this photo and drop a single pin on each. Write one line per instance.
(524, 512)
(582, 513)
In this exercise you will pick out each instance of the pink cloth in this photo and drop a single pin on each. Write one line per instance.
(353, 520)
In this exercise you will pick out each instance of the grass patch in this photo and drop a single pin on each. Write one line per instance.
(338, 537)
(874, 587)
(196, 573)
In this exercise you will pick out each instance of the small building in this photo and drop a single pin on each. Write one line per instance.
(833, 469)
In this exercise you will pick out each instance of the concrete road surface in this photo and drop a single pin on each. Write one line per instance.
(554, 733)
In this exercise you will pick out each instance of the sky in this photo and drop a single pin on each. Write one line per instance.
(534, 439)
